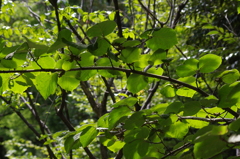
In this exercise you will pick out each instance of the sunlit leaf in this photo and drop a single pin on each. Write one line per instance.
(46, 84)
(209, 63)
(164, 38)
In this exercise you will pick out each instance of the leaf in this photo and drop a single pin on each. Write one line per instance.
(136, 82)
(234, 126)
(229, 95)
(168, 91)
(68, 81)
(33, 44)
(130, 101)
(188, 68)
(87, 59)
(130, 55)
(230, 76)
(174, 108)
(131, 43)
(135, 121)
(164, 38)
(67, 65)
(101, 29)
(177, 130)
(80, 47)
(209, 146)
(46, 62)
(191, 108)
(71, 142)
(133, 146)
(209, 63)
(157, 57)
(99, 48)
(116, 115)
(185, 92)
(46, 84)
(113, 144)
(88, 135)
(63, 34)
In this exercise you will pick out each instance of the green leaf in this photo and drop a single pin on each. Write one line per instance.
(191, 108)
(130, 55)
(133, 146)
(230, 76)
(188, 68)
(234, 126)
(213, 32)
(63, 34)
(168, 91)
(101, 29)
(87, 59)
(117, 115)
(159, 108)
(131, 43)
(209, 63)
(135, 121)
(164, 38)
(113, 144)
(136, 83)
(157, 57)
(177, 130)
(69, 81)
(71, 142)
(80, 47)
(46, 62)
(88, 135)
(130, 101)
(67, 65)
(174, 107)
(229, 95)
(185, 92)
(143, 147)
(86, 74)
(209, 146)
(46, 84)
(8, 63)
(33, 44)
(99, 48)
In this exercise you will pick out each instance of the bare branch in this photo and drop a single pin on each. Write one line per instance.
(228, 120)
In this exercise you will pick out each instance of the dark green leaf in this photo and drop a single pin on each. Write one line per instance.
(136, 83)
(58, 44)
(88, 135)
(191, 108)
(135, 121)
(117, 115)
(188, 68)
(130, 55)
(130, 101)
(174, 108)
(99, 48)
(101, 29)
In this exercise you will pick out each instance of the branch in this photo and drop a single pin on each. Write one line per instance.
(150, 13)
(150, 96)
(178, 149)
(118, 18)
(94, 104)
(228, 120)
(60, 111)
(178, 14)
(108, 84)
